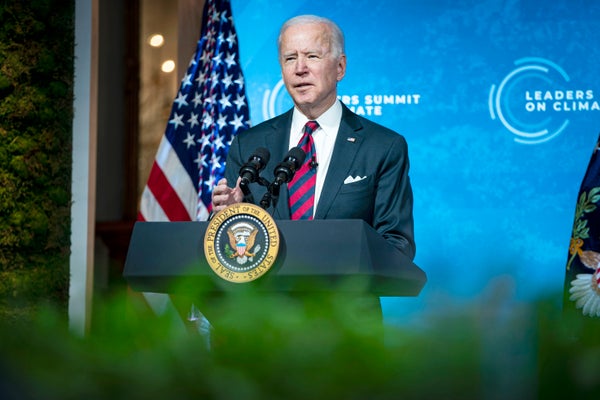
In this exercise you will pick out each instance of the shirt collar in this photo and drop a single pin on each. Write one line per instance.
(329, 121)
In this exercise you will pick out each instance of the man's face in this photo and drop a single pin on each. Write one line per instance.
(310, 71)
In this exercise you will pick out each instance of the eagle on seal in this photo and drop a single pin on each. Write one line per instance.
(241, 238)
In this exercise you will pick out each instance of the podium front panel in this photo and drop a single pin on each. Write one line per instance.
(318, 254)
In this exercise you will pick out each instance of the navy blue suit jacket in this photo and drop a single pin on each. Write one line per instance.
(362, 149)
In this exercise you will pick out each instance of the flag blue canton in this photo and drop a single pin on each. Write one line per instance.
(211, 105)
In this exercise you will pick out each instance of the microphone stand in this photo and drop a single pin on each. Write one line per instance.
(267, 198)
(283, 172)
(248, 197)
(270, 196)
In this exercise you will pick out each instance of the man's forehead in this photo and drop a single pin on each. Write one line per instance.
(305, 42)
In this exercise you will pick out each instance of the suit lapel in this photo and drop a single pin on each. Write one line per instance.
(347, 143)
(278, 140)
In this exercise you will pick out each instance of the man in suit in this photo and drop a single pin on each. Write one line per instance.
(361, 167)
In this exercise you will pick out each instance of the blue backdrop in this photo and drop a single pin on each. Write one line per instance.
(499, 104)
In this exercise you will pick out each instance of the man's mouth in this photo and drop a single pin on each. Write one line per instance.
(302, 86)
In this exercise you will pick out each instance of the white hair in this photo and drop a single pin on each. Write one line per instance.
(336, 39)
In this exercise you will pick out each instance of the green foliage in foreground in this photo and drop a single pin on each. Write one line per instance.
(270, 347)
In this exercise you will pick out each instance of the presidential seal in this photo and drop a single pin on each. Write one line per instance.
(241, 243)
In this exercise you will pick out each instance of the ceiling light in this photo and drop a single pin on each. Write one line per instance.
(168, 66)
(156, 40)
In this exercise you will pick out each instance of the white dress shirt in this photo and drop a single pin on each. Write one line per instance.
(324, 138)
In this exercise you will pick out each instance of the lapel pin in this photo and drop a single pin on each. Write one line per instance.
(351, 139)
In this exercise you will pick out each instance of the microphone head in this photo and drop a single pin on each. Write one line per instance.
(263, 154)
(250, 170)
(284, 171)
(297, 156)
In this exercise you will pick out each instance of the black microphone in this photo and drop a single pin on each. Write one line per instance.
(285, 170)
(250, 170)
(256, 163)
(313, 163)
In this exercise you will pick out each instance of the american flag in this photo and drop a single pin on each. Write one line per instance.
(582, 279)
(209, 110)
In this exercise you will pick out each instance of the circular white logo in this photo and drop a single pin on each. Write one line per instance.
(530, 101)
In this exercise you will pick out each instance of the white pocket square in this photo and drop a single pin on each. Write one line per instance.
(352, 179)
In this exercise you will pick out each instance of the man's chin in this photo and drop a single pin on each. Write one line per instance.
(304, 99)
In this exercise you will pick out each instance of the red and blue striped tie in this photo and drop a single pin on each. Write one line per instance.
(302, 186)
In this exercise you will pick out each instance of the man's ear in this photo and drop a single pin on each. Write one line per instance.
(341, 67)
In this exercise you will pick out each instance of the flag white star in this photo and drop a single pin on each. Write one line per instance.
(240, 101)
(238, 122)
(214, 78)
(197, 99)
(231, 39)
(181, 100)
(189, 140)
(240, 81)
(201, 160)
(207, 121)
(217, 59)
(224, 102)
(187, 80)
(215, 16)
(205, 58)
(215, 161)
(230, 60)
(210, 99)
(227, 80)
(222, 121)
(220, 39)
(193, 121)
(205, 141)
(218, 142)
(177, 120)
(210, 182)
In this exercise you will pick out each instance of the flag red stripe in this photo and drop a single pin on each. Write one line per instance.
(165, 195)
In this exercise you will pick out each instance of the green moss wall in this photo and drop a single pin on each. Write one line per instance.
(36, 113)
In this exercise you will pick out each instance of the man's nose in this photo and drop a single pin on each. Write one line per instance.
(301, 65)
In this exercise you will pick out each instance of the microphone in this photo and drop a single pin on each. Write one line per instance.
(250, 170)
(285, 170)
(313, 163)
(256, 163)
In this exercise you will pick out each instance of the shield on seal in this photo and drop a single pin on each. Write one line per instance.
(239, 235)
